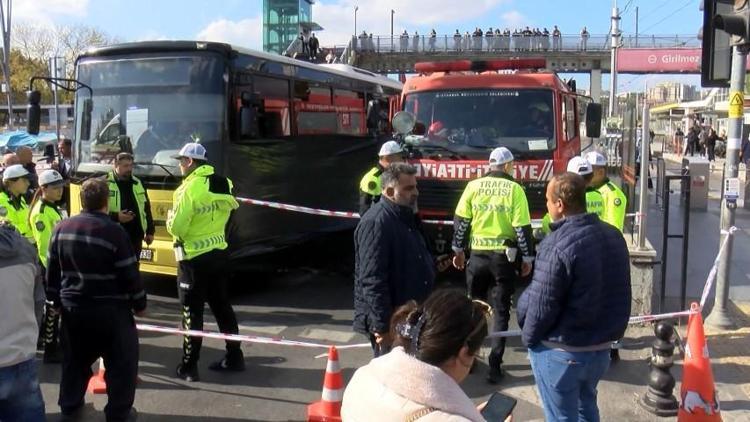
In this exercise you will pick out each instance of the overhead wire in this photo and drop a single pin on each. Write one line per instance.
(669, 15)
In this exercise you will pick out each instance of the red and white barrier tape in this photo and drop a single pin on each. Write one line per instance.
(640, 319)
(714, 269)
(244, 338)
(298, 208)
(342, 214)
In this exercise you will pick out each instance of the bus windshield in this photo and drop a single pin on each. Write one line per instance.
(149, 106)
(520, 119)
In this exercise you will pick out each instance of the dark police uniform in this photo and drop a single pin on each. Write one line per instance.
(493, 217)
(92, 275)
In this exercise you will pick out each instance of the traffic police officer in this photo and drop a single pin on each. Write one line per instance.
(129, 204)
(492, 217)
(594, 200)
(43, 218)
(615, 206)
(202, 205)
(369, 187)
(13, 206)
(615, 201)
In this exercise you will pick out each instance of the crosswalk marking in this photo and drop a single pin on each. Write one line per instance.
(328, 335)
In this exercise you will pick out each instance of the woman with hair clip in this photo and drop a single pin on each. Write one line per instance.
(435, 346)
(44, 217)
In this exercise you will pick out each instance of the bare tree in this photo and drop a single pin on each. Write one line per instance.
(36, 42)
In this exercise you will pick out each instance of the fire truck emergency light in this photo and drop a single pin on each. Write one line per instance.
(480, 65)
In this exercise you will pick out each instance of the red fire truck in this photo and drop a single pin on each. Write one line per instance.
(465, 109)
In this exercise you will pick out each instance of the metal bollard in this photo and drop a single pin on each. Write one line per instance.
(659, 399)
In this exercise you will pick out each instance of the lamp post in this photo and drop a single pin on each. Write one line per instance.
(392, 13)
(356, 8)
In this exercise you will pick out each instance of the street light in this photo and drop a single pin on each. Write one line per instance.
(392, 13)
(356, 8)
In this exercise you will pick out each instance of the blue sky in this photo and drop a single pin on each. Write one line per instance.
(239, 21)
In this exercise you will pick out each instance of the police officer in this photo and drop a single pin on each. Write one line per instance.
(93, 279)
(492, 217)
(369, 187)
(129, 204)
(594, 199)
(615, 206)
(615, 201)
(43, 218)
(13, 206)
(201, 209)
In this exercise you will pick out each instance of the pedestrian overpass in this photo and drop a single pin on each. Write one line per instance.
(645, 54)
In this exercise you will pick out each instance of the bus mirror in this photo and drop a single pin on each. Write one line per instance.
(33, 112)
(593, 120)
(49, 153)
(248, 122)
(88, 105)
(403, 122)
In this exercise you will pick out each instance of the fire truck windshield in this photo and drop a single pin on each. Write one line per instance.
(482, 119)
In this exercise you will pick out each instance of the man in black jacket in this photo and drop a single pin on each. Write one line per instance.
(392, 262)
(92, 274)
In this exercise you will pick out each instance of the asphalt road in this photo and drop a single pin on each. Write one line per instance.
(280, 381)
(315, 306)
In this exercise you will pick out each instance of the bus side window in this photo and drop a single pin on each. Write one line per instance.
(274, 96)
(350, 107)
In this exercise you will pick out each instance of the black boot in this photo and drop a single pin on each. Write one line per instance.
(496, 372)
(188, 372)
(52, 353)
(234, 361)
(614, 355)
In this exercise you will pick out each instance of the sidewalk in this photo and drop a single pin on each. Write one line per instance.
(729, 350)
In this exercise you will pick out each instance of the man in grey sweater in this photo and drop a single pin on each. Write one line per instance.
(20, 396)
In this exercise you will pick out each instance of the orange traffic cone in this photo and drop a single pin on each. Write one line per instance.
(97, 385)
(699, 399)
(329, 408)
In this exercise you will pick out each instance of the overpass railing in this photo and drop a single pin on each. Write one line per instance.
(468, 44)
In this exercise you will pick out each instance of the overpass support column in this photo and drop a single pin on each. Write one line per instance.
(595, 89)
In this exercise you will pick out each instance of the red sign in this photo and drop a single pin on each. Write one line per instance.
(659, 60)
(539, 170)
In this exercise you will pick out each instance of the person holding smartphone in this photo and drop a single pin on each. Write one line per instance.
(436, 344)
(129, 204)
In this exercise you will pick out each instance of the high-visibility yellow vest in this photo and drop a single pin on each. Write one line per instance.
(615, 204)
(198, 216)
(115, 197)
(495, 206)
(44, 217)
(16, 212)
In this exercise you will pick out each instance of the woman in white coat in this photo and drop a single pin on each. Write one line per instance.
(436, 344)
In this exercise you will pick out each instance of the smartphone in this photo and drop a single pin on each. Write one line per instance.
(498, 407)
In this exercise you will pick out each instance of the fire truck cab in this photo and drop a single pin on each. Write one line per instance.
(465, 109)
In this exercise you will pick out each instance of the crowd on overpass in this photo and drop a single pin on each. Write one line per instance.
(493, 40)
